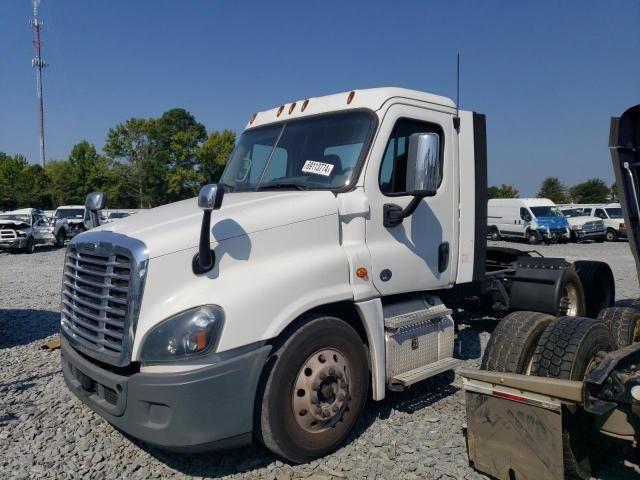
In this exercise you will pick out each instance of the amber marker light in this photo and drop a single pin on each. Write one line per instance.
(292, 107)
(201, 340)
(280, 110)
(304, 105)
(362, 273)
(350, 96)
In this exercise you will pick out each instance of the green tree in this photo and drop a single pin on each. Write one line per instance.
(553, 189)
(58, 174)
(138, 167)
(615, 195)
(32, 188)
(214, 154)
(10, 172)
(503, 191)
(592, 191)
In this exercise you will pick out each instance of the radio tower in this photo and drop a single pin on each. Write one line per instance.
(38, 63)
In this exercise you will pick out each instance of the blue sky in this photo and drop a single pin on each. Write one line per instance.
(547, 74)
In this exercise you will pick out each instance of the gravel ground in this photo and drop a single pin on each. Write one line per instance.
(45, 432)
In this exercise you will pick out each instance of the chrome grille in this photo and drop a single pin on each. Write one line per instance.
(8, 235)
(593, 226)
(101, 293)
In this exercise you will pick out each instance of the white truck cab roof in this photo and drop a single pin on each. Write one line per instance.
(371, 98)
(65, 207)
(26, 211)
(524, 202)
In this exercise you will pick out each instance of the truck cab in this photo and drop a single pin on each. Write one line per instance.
(312, 274)
(611, 215)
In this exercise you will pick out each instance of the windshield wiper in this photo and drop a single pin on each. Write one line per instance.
(277, 185)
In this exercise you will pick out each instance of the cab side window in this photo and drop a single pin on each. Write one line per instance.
(525, 215)
(393, 170)
(600, 213)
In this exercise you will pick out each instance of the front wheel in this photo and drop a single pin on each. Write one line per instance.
(610, 236)
(495, 234)
(314, 389)
(533, 237)
(31, 246)
(60, 237)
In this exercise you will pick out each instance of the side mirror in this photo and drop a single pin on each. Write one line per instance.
(209, 199)
(423, 164)
(94, 202)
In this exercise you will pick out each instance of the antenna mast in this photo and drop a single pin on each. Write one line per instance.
(38, 63)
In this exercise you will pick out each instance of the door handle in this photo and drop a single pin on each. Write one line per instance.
(443, 257)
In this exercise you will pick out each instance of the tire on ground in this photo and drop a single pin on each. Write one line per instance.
(284, 424)
(598, 285)
(624, 323)
(610, 235)
(566, 350)
(533, 237)
(513, 342)
(495, 233)
(570, 298)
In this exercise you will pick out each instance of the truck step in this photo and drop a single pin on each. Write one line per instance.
(404, 380)
(412, 312)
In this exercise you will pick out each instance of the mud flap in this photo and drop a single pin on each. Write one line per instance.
(507, 439)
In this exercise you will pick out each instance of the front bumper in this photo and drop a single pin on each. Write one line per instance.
(13, 243)
(581, 234)
(555, 234)
(205, 409)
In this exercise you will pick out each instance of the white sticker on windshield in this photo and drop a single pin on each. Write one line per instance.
(317, 168)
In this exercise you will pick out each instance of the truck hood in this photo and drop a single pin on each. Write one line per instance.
(581, 220)
(13, 225)
(552, 222)
(624, 145)
(176, 226)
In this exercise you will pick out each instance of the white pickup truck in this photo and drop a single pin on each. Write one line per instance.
(25, 228)
(321, 270)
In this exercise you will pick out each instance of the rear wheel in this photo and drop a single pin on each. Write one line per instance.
(533, 237)
(598, 285)
(567, 349)
(610, 235)
(624, 323)
(314, 389)
(512, 344)
(570, 295)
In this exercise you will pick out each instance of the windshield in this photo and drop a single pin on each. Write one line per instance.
(311, 153)
(614, 212)
(16, 218)
(573, 212)
(70, 213)
(546, 211)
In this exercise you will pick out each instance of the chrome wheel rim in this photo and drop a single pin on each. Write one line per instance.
(320, 396)
(569, 300)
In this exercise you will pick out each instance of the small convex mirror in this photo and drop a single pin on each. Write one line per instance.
(210, 197)
(423, 164)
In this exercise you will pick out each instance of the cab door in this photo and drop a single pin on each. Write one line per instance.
(421, 252)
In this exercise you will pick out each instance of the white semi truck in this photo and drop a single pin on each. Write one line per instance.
(321, 271)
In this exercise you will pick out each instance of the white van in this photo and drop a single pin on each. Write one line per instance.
(534, 219)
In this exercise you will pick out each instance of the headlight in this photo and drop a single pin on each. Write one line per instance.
(22, 234)
(576, 227)
(192, 332)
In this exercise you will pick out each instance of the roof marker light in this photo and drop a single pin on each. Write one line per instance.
(304, 105)
(280, 110)
(292, 107)
(352, 94)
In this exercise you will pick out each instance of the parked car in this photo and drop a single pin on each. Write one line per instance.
(583, 227)
(611, 215)
(24, 229)
(533, 219)
(74, 219)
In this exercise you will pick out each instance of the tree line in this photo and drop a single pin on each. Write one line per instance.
(594, 190)
(145, 162)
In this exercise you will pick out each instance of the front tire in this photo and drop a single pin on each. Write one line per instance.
(533, 237)
(495, 234)
(31, 246)
(60, 238)
(314, 389)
